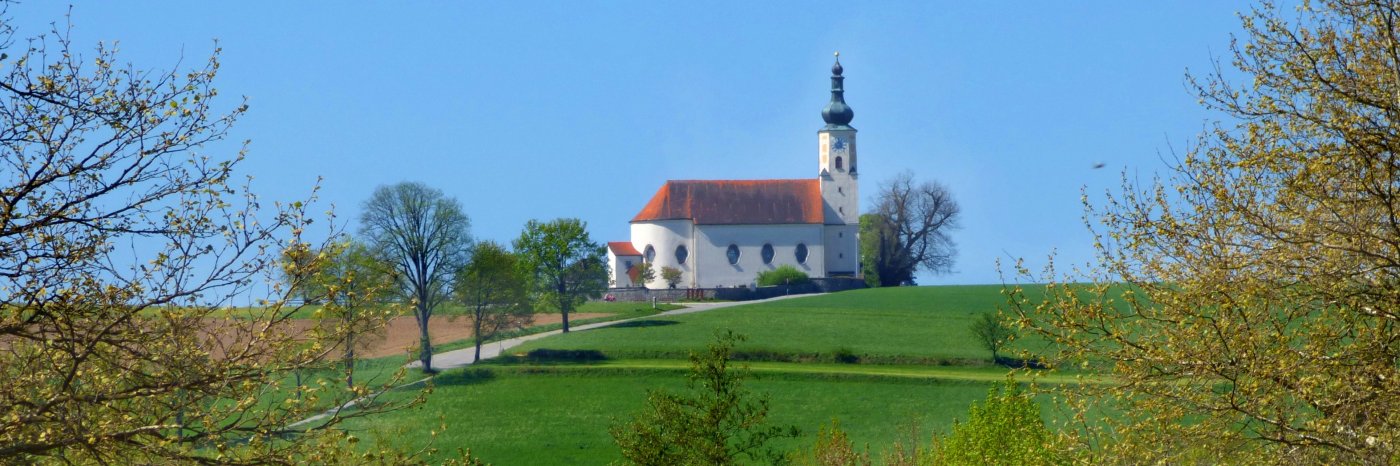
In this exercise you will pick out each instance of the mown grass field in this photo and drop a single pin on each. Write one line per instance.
(924, 325)
(919, 365)
(517, 416)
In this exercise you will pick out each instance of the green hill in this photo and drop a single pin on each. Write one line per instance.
(920, 366)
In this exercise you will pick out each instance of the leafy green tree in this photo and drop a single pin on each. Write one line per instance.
(909, 228)
(992, 333)
(645, 273)
(671, 275)
(783, 275)
(1004, 429)
(876, 251)
(353, 284)
(495, 291)
(1247, 302)
(123, 249)
(565, 266)
(720, 422)
(423, 235)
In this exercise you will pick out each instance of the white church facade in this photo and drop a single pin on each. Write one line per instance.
(722, 233)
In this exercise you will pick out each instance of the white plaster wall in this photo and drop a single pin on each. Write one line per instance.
(842, 248)
(665, 235)
(617, 266)
(709, 254)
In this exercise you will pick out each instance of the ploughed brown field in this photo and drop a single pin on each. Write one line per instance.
(401, 334)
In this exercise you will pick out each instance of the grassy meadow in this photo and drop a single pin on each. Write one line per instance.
(916, 364)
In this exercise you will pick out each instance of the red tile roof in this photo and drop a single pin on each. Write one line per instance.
(736, 202)
(622, 248)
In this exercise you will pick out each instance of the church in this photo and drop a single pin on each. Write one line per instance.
(722, 233)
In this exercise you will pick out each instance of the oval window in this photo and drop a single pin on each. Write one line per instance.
(767, 253)
(733, 254)
(801, 253)
(681, 254)
(650, 254)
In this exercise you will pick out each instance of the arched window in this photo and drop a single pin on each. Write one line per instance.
(801, 253)
(733, 254)
(649, 254)
(767, 253)
(681, 254)
(838, 163)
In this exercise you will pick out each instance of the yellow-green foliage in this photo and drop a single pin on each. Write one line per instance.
(1005, 429)
(1263, 320)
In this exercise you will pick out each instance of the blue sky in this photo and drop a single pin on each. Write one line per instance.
(582, 109)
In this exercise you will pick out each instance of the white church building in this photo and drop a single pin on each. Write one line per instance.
(722, 233)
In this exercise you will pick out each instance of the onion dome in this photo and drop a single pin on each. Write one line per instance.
(837, 114)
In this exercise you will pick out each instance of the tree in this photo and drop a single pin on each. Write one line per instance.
(353, 284)
(1004, 429)
(645, 273)
(671, 275)
(495, 291)
(122, 249)
(424, 237)
(909, 229)
(1247, 301)
(719, 422)
(566, 266)
(992, 333)
(833, 448)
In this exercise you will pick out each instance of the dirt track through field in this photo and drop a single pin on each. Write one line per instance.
(401, 334)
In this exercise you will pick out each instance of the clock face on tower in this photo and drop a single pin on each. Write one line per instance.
(839, 144)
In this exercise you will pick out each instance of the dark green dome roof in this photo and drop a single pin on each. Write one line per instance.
(837, 114)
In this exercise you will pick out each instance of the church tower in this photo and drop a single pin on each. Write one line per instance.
(836, 144)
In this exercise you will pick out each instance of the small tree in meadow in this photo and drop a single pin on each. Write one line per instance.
(718, 423)
(671, 275)
(495, 291)
(992, 333)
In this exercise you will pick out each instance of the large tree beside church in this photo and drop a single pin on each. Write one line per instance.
(1260, 321)
(567, 267)
(424, 236)
(909, 229)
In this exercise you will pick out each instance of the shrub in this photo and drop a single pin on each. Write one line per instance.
(833, 448)
(783, 275)
(845, 356)
(671, 275)
(547, 354)
(717, 421)
(1006, 428)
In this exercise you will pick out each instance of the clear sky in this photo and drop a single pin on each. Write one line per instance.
(583, 108)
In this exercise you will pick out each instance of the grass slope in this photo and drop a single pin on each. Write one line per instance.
(562, 417)
(926, 325)
(517, 412)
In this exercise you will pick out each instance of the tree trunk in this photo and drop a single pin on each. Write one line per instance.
(563, 306)
(564, 310)
(476, 334)
(425, 345)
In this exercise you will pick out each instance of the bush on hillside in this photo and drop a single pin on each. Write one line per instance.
(1006, 428)
(783, 275)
